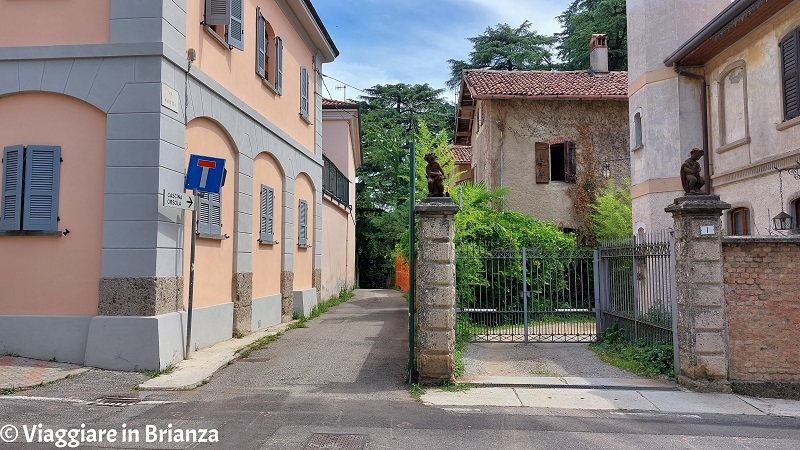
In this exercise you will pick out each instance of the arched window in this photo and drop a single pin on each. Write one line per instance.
(637, 130)
(790, 47)
(739, 222)
(733, 105)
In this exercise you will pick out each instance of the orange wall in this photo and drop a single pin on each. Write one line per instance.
(55, 22)
(303, 257)
(235, 69)
(213, 268)
(57, 275)
(267, 258)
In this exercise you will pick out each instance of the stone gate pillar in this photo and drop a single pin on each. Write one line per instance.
(702, 335)
(436, 292)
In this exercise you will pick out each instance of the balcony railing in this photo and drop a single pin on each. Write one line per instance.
(334, 183)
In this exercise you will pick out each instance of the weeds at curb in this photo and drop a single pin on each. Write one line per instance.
(416, 392)
(156, 373)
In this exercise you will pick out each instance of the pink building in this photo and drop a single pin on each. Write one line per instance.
(99, 119)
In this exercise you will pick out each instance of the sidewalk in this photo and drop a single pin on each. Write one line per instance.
(624, 395)
(22, 373)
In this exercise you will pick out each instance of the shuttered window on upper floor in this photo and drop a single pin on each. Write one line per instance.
(230, 15)
(304, 92)
(790, 69)
(556, 162)
(30, 185)
(269, 53)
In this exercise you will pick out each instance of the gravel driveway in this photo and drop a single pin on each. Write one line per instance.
(538, 360)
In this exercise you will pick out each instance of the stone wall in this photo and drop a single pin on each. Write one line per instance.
(763, 314)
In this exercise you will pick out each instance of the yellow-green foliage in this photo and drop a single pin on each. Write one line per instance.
(611, 214)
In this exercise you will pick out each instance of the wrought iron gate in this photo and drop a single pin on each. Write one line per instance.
(636, 287)
(525, 295)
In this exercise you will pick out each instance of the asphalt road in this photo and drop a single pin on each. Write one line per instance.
(343, 377)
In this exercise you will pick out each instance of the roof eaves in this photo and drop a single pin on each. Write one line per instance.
(721, 20)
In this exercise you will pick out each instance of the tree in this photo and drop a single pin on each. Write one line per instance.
(584, 18)
(611, 214)
(505, 48)
(389, 114)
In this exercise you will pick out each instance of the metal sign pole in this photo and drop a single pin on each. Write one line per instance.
(191, 277)
(412, 186)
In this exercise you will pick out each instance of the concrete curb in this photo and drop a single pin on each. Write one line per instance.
(204, 363)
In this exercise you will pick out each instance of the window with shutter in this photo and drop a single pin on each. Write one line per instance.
(216, 12)
(40, 203)
(302, 223)
(266, 233)
(570, 162)
(790, 45)
(279, 65)
(236, 24)
(209, 213)
(304, 92)
(11, 200)
(261, 44)
(542, 162)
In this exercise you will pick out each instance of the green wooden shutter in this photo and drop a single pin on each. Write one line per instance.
(279, 64)
(261, 44)
(570, 163)
(302, 238)
(791, 74)
(216, 12)
(11, 200)
(304, 92)
(40, 206)
(235, 29)
(267, 214)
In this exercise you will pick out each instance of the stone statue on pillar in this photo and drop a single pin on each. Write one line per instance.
(691, 178)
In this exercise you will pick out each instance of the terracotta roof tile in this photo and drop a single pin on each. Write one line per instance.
(463, 154)
(535, 83)
(330, 102)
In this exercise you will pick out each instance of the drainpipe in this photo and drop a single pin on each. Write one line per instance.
(704, 122)
(501, 126)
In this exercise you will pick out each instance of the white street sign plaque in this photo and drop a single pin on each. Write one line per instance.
(178, 200)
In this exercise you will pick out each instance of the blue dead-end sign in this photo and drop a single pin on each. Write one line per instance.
(205, 173)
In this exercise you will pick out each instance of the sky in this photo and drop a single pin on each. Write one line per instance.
(410, 41)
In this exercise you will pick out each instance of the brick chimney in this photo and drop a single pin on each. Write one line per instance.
(598, 56)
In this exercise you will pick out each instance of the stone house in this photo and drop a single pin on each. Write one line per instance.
(535, 131)
(99, 120)
(723, 76)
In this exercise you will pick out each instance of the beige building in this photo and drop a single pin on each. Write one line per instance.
(535, 131)
(726, 80)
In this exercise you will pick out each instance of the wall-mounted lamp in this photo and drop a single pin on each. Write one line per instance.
(783, 221)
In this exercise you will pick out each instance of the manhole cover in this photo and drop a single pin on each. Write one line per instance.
(115, 400)
(336, 441)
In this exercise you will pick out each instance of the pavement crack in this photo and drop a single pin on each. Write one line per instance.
(517, 395)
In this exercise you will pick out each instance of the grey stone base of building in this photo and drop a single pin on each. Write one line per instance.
(287, 295)
(140, 296)
(62, 338)
(151, 343)
(266, 312)
(304, 301)
(135, 343)
(772, 389)
(242, 293)
(704, 385)
(316, 282)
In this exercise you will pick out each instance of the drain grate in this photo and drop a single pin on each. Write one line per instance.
(336, 442)
(115, 400)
